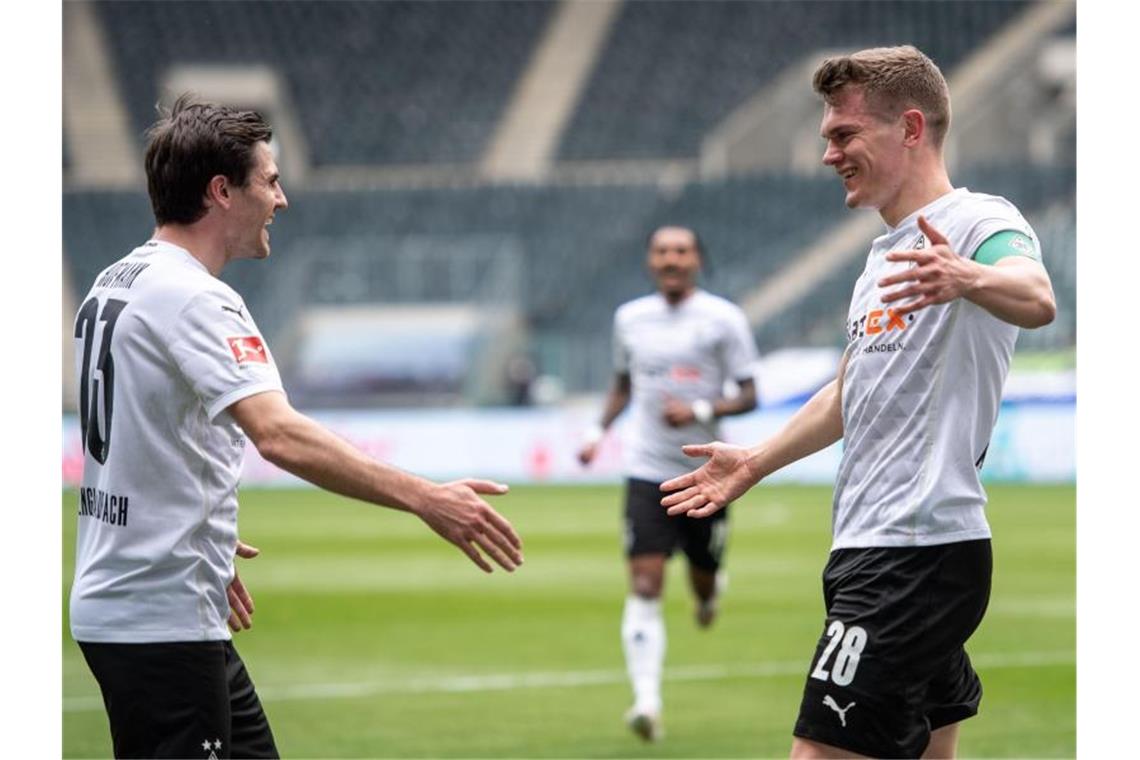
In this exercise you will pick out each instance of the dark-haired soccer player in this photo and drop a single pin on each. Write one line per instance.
(174, 375)
(931, 329)
(673, 352)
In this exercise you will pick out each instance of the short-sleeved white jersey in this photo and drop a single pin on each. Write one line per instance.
(163, 348)
(687, 352)
(921, 393)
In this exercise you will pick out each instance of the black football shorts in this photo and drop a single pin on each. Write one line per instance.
(650, 530)
(189, 699)
(890, 666)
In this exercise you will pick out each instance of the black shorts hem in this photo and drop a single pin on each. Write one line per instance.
(942, 718)
(631, 553)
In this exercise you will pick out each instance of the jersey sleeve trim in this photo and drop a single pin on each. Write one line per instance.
(1006, 243)
(237, 394)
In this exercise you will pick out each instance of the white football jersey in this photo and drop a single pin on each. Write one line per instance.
(163, 348)
(921, 393)
(687, 352)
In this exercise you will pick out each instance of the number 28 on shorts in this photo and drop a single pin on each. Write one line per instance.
(850, 642)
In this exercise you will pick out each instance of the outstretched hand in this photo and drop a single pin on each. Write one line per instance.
(457, 513)
(712, 486)
(241, 602)
(939, 275)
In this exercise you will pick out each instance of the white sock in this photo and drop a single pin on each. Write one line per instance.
(643, 638)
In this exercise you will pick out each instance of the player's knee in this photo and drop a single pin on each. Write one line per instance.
(648, 585)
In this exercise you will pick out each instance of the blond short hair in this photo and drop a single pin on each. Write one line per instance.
(892, 79)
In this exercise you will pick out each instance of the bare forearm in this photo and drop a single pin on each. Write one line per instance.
(1020, 294)
(616, 401)
(741, 403)
(309, 451)
(817, 425)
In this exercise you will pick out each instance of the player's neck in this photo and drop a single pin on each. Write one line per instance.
(198, 241)
(677, 297)
(923, 186)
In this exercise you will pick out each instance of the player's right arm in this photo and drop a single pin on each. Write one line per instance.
(617, 399)
(731, 470)
(301, 446)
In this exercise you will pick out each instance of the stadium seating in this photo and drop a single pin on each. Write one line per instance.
(400, 83)
(372, 82)
(581, 250)
(424, 83)
(672, 71)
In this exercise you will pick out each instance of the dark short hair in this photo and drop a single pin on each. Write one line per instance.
(696, 237)
(192, 144)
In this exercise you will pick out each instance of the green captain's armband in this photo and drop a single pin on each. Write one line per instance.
(1006, 243)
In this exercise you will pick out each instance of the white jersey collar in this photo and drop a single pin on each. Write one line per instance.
(927, 210)
(179, 251)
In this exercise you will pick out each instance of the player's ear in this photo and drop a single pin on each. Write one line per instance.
(218, 191)
(914, 127)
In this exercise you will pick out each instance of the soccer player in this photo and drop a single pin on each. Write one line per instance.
(673, 352)
(174, 377)
(930, 329)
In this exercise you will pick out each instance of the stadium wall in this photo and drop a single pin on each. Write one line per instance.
(1033, 442)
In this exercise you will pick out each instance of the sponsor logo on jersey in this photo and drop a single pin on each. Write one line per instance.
(1021, 244)
(877, 321)
(684, 373)
(919, 243)
(248, 348)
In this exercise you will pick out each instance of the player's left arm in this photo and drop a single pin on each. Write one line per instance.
(1015, 288)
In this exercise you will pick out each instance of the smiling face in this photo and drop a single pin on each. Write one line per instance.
(674, 259)
(253, 206)
(866, 148)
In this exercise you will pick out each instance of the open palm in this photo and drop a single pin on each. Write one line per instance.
(712, 486)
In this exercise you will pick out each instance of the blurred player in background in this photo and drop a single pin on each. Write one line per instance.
(931, 329)
(673, 353)
(174, 375)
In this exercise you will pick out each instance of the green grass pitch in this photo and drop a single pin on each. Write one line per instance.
(372, 638)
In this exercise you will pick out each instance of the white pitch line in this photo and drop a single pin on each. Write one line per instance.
(573, 678)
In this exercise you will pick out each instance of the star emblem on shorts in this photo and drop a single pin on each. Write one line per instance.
(207, 745)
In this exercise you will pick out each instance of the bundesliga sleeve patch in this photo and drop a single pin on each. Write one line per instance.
(248, 348)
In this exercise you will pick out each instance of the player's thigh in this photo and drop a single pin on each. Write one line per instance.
(805, 749)
(885, 643)
(704, 539)
(943, 743)
(164, 699)
(251, 735)
(648, 527)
